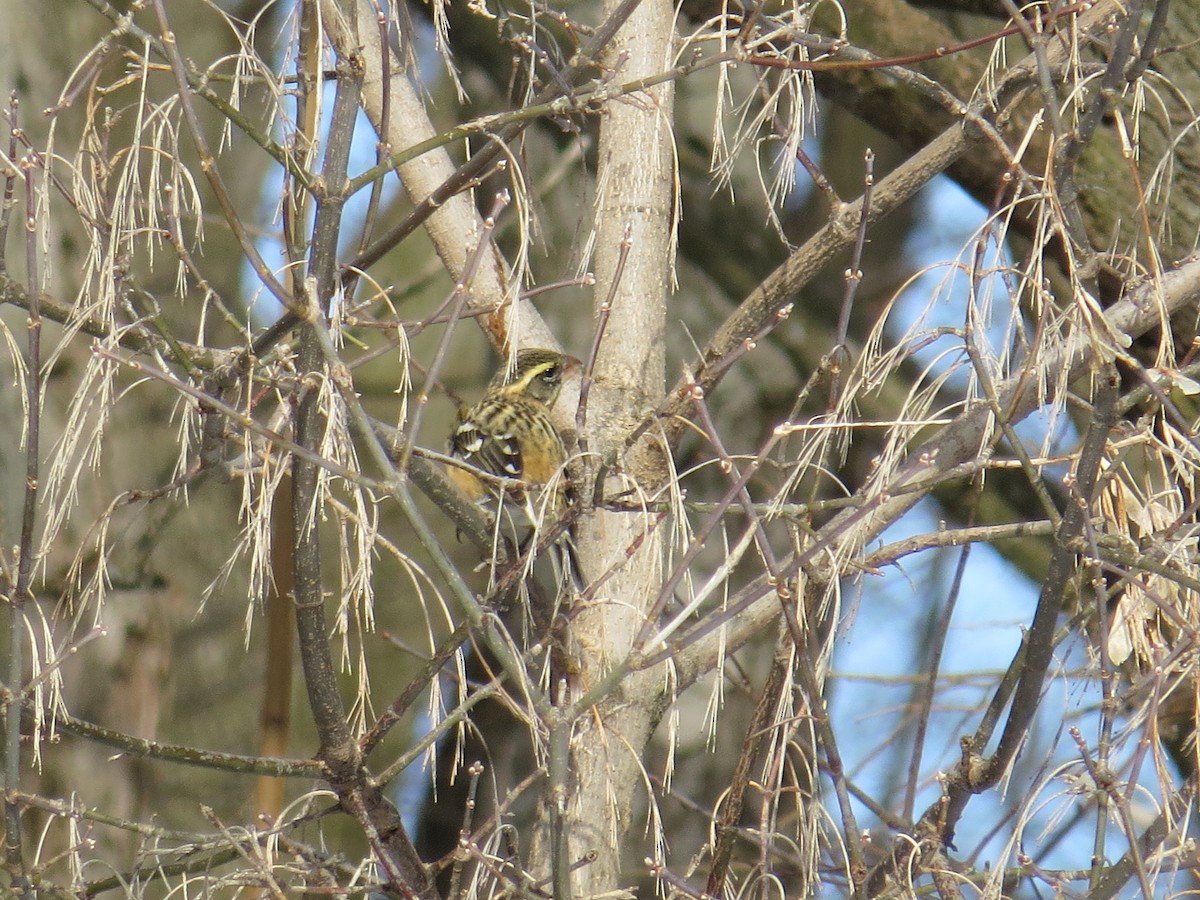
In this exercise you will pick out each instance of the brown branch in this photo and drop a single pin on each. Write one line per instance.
(27, 553)
(833, 64)
(955, 444)
(976, 774)
(137, 747)
(781, 287)
(340, 752)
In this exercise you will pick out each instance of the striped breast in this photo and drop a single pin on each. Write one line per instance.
(509, 436)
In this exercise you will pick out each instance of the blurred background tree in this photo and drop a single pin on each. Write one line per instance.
(883, 526)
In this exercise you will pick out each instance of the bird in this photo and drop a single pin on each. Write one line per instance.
(509, 432)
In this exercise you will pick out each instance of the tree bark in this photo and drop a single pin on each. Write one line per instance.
(634, 241)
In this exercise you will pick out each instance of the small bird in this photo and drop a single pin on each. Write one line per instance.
(509, 432)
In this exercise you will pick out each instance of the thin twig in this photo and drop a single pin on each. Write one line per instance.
(248, 422)
(925, 690)
(27, 553)
(818, 177)
(474, 772)
(853, 275)
(396, 709)
(954, 537)
(480, 618)
(142, 748)
(1041, 630)
(382, 147)
(208, 164)
(1105, 781)
(457, 301)
(11, 175)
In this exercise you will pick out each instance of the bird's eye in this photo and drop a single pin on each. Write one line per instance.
(551, 374)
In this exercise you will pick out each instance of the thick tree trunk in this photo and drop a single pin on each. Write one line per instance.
(635, 204)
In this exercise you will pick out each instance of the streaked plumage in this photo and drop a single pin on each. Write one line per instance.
(509, 432)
